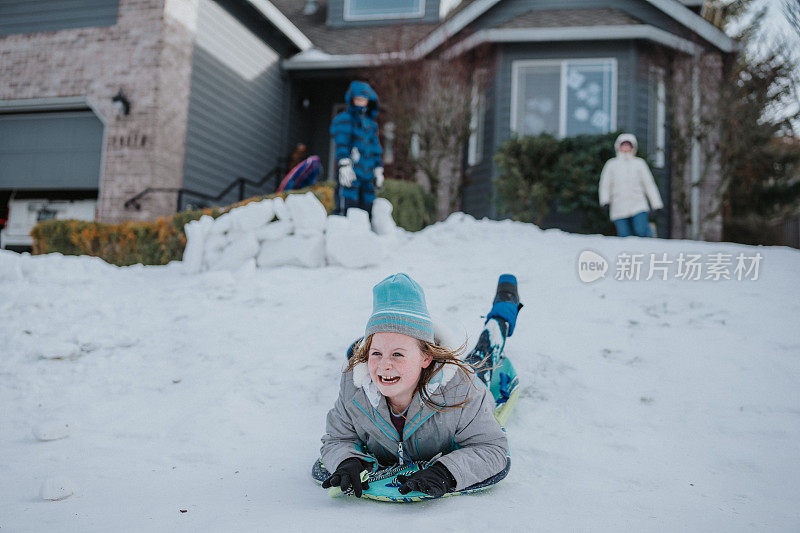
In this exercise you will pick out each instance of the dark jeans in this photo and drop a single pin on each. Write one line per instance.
(637, 224)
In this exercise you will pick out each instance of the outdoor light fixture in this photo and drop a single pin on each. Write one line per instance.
(121, 103)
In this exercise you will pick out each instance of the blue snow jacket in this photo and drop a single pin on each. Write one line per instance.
(355, 134)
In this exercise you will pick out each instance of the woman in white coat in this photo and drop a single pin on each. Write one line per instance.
(626, 185)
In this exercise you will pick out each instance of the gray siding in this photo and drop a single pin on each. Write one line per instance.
(31, 16)
(478, 193)
(238, 105)
(50, 150)
(335, 16)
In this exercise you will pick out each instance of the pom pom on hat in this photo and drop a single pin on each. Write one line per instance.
(398, 306)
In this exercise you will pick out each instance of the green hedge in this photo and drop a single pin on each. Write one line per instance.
(413, 208)
(540, 174)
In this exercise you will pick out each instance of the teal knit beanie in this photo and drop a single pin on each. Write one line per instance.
(398, 306)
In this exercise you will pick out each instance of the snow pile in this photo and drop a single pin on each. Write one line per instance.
(660, 405)
(295, 232)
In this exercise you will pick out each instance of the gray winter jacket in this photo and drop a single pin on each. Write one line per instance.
(473, 444)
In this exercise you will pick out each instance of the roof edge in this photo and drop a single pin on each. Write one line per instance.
(696, 23)
(284, 25)
(672, 8)
(574, 33)
(460, 21)
(320, 60)
(316, 59)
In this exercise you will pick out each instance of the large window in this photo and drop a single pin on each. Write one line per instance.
(564, 98)
(383, 9)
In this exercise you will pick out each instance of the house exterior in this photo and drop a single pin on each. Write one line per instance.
(206, 93)
(221, 89)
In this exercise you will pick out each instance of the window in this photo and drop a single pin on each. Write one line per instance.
(657, 125)
(383, 9)
(478, 109)
(564, 98)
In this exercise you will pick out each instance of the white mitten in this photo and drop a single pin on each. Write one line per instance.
(347, 176)
(378, 173)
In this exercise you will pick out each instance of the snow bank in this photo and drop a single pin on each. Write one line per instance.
(644, 405)
(295, 232)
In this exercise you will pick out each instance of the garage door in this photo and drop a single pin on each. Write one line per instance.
(50, 150)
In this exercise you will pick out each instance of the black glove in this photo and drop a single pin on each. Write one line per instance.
(658, 212)
(605, 208)
(434, 480)
(348, 475)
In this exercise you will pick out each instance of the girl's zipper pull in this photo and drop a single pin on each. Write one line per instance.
(400, 452)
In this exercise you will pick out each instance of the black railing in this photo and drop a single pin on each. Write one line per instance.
(239, 183)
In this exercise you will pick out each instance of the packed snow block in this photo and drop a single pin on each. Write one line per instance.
(51, 430)
(348, 245)
(307, 212)
(56, 488)
(296, 250)
(247, 269)
(215, 241)
(237, 253)
(196, 234)
(273, 231)
(211, 256)
(382, 221)
(358, 221)
(234, 235)
(281, 211)
(221, 224)
(251, 216)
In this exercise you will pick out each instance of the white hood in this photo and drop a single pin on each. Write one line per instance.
(630, 137)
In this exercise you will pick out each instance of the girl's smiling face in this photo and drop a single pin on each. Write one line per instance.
(395, 364)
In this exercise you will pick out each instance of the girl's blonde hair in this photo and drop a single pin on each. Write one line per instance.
(440, 356)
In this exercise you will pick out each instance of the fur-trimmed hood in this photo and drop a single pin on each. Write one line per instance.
(443, 336)
(629, 137)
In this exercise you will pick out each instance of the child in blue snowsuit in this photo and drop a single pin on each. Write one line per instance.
(358, 150)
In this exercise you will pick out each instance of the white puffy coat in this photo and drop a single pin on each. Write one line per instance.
(627, 184)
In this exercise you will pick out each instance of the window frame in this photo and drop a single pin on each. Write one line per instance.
(657, 116)
(476, 121)
(516, 69)
(349, 17)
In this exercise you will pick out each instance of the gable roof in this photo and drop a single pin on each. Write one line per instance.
(674, 9)
(361, 40)
(363, 46)
(279, 19)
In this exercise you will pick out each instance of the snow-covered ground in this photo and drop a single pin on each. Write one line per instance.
(645, 405)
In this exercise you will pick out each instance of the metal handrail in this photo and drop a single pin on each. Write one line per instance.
(275, 173)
